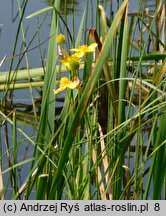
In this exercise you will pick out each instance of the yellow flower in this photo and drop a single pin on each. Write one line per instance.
(66, 83)
(81, 50)
(60, 38)
(71, 62)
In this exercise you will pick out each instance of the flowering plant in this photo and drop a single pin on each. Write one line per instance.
(71, 62)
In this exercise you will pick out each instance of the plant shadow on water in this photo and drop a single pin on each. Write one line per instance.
(68, 6)
(88, 121)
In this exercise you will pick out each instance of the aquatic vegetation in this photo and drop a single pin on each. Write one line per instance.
(105, 137)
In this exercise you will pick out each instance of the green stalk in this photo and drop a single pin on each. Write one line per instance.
(121, 104)
(46, 128)
(16, 86)
(47, 122)
(15, 151)
(159, 173)
(27, 61)
(41, 190)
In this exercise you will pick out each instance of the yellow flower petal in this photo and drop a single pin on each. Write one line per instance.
(65, 62)
(93, 46)
(81, 50)
(74, 50)
(60, 38)
(66, 83)
(59, 90)
(85, 48)
(73, 84)
(79, 54)
(71, 62)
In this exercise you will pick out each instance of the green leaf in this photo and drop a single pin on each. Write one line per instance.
(39, 12)
(78, 40)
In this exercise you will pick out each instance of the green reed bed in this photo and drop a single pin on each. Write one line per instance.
(98, 123)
